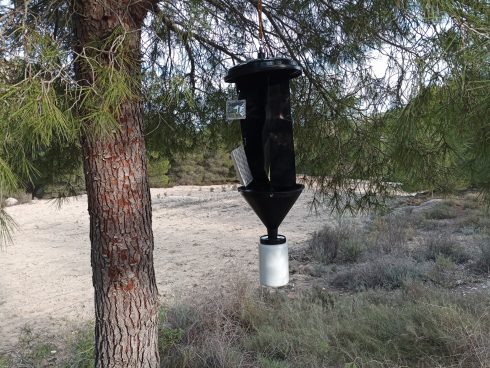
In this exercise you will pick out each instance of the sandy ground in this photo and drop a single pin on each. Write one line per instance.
(204, 238)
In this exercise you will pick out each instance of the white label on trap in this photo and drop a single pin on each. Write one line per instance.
(241, 166)
(236, 109)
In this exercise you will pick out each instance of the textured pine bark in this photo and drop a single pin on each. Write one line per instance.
(126, 296)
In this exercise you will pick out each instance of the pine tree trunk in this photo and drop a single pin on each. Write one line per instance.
(126, 296)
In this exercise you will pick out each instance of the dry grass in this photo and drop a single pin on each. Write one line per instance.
(443, 211)
(398, 311)
(388, 272)
(391, 233)
(413, 327)
(482, 264)
(337, 244)
(443, 245)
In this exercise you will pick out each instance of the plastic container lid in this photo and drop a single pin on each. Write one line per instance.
(288, 67)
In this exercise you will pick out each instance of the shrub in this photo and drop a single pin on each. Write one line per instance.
(32, 350)
(81, 348)
(4, 362)
(157, 172)
(482, 264)
(385, 273)
(351, 250)
(443, 272)
(202, 167)
(416, 327)
(432, 330)
(265, 362)
(336, 244)
(206, 335)
(442, 211)
(294, 332)
(391, 232)
(375, 329)
(443, 245)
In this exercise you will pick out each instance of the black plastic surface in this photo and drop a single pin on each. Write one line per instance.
(271, 207)
(279, 239)
(267, 130)
(286, 68)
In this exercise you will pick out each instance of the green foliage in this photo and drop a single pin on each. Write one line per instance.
(265, 362)
(483, 257)
(33, 350)
(445, 246)
(408, 331)
(8, 180)
(58, 172)
(437, 139)
(384, 273)
(168, 338)
(103, 101)
(443, 272)
(81, 349)
(355, 131)
(390, 233)
(338, 152)
(336, 244)
(157, 171)
(442, 211)
(33, 111)
(202, 166)
(7, 227)
(33, 117)
(4, 361)
(43, 111)
(414, 326)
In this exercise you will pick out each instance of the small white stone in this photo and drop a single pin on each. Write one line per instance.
(11, 202)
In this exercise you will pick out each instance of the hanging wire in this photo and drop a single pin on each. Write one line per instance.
(261, 24)
(261, 30)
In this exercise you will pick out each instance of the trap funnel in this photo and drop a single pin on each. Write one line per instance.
(271, 207)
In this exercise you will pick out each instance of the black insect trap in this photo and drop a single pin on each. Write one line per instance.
(265, 163)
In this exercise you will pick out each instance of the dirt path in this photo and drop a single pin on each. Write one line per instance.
(204, 238)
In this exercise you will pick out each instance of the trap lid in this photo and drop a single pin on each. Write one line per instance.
(282, 66)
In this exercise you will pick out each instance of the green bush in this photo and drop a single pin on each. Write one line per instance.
(201, 167)
(32, 350)
(442, 211)
(391, 232)
(387, 272)
(482, 264)
(4, 362)
(411, 327)
(157, 171)
(265, 362)
(340, 244)
(377, 329)
(443, 245)
(436, 330)
(443, 272)
(81, 348)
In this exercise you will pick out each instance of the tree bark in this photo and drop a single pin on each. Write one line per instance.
(119, 204)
